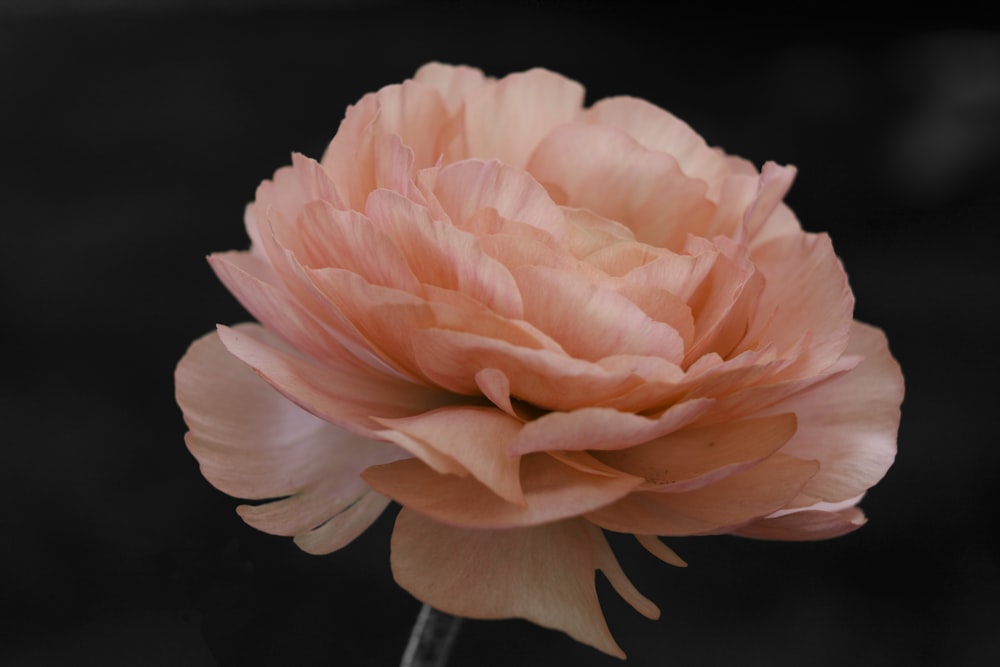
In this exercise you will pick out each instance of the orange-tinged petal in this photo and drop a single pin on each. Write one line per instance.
(462, 189)
(544, 377)
(506, 120)
(717, 508)
(603, 428)
(552, 491)
(693, 457)
(474, 437)
(544, 574)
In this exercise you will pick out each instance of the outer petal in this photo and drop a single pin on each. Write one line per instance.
(849, 423)
(251, 442)
(805, 525)
(544, 574)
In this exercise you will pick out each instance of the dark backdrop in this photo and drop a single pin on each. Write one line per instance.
(132, 136)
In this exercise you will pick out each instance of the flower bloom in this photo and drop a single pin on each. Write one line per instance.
(529, 322)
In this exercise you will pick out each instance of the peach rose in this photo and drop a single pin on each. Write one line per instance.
(528, 322)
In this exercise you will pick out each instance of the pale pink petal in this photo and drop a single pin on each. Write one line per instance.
(804, 525)
(342, 396)
(451, 81)
(716, 508)
(659, 130)
(693, 457)
(253, 443)
(473, 437)
(603, 169)
(849, 423)
(552, 491)
(602, 428)
(508, 119)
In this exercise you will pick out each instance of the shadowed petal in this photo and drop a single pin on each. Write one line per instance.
(805, 525)
(552, 490)
(544, 574)
(716, 508)
(474, 437)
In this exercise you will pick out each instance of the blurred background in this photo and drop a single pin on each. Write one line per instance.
(132, 134)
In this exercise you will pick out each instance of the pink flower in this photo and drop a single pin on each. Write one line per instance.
(528, 322)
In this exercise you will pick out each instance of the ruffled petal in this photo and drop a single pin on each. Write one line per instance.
(660, 130)
(602, 169)
(544, 574)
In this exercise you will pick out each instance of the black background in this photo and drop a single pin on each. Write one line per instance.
(131, 137)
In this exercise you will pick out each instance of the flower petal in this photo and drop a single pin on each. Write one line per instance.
(544, 574)
(804, 525)
(342, 396)
(474, 437)
(659, 130)
(602, 169)
(849, 423)
(689, 458)
(506, 120)
(716, 508)
(552, 491)
(253, 443)
(602, 428)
